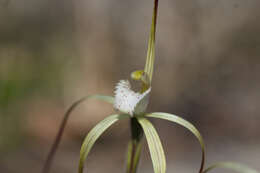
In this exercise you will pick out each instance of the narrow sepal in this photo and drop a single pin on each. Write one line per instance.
(151, 44)
(187, 125)
(154, 144)
(232, 166)
(94, 134)
(48, 162)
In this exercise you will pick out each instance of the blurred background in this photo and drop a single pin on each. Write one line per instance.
(206, 70)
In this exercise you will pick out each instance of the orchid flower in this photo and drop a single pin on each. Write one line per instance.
(132, 105)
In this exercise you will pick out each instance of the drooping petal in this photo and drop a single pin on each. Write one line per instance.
(187, 125)
(52, 152)
(155, 146)
(94, 134)
(232, 166)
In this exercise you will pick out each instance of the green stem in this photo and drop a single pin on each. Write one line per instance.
(135, 146)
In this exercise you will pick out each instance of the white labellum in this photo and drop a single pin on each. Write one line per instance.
(128, 101)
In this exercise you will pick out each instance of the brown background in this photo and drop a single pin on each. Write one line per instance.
(206, 70)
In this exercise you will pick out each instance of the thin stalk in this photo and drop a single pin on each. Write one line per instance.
(135, 145)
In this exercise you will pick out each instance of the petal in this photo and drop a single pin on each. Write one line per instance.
(128, 101)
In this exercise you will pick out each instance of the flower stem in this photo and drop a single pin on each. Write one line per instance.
(135, 145)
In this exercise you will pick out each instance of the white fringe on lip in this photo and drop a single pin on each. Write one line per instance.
(128, 101)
